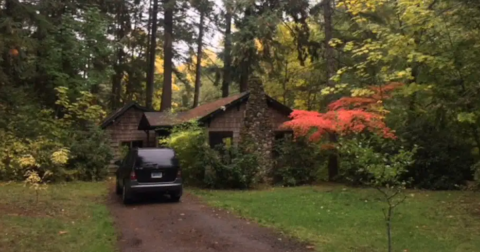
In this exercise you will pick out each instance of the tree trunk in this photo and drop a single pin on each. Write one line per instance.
(168, 55)
(152, 56)
(330, 71)
(198, 70)
(245, 64)
(389, 228)
(227, 58)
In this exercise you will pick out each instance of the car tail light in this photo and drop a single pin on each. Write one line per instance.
(179, 173)
(133, 176)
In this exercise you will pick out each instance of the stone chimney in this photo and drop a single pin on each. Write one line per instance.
(257, 129)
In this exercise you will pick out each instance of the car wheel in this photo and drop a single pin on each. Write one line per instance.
(118, 188)
(126, 198)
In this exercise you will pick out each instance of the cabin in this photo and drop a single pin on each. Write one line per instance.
(136, 126)
(222, 118)
(122, 129)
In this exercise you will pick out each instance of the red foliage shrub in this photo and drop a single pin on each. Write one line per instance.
(345, 116)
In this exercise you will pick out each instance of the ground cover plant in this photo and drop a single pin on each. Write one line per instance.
(67, 217)
(337, 218)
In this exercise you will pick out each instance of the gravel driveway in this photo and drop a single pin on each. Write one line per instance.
(190, 226)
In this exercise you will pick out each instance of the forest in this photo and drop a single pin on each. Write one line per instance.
(379, 88)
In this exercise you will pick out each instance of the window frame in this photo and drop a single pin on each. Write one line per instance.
(222, 135)
(130, 144)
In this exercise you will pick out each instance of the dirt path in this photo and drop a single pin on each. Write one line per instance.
(190, 226)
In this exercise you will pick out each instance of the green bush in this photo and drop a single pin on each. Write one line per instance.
(90, 153)
(222, 167)
(37, 144)
(368, 159)
(190, 143)
(297, 162)
(227, 167)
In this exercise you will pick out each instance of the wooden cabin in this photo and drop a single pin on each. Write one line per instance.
(223, 118)
(136, 126)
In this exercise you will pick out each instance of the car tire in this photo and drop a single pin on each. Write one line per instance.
(126, 197)
(118, 188)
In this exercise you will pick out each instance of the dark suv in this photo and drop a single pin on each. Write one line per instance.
(144, 170)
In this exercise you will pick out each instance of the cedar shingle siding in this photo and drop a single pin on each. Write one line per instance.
(232, 120)
(125, 129)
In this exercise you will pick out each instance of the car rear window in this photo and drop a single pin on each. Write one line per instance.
(161, 157)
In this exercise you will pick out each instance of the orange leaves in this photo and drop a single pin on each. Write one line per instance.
(341, 122)
(347, 102)
(348, 115)
(380, 93)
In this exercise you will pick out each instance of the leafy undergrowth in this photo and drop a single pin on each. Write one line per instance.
(67, 217)
(340, 219)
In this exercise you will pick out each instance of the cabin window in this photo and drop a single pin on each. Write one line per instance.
(279, 137)
(133, 144)
(219, 137)
(283, 134)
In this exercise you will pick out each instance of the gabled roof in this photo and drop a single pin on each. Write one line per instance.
(151, 120)
(119, 112)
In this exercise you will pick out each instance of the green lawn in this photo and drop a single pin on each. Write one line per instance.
(70, 217)
(339, 219)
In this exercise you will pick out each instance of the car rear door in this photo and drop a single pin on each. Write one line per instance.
(156, 165)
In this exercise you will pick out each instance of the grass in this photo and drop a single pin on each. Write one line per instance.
(67, 217)
(338, 219)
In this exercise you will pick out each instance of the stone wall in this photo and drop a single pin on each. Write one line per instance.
(257, 130)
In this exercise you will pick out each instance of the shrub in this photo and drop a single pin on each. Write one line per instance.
(190, 143)
(90, 154)
(222, 167)
(297, 162)
(228, 167)
(441, 164)
(37, 146)
(385, 167)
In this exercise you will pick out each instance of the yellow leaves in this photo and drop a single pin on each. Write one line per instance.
(159, 65)
(333, 90)
(348, 46)
(27, 161)
(466, 117)
(361, 92)
(328, 90)
(35, 182)
(60, 157)
(258, 45)
(412, 88)
(175, 87)
(83, 108)
(335, 42)
(356, 7)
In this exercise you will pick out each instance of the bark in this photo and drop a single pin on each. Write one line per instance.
(246, 63)
(227, 60)
(168, 56)
(152, 56)
(118, 65)
(330, 71)
(198, 70)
